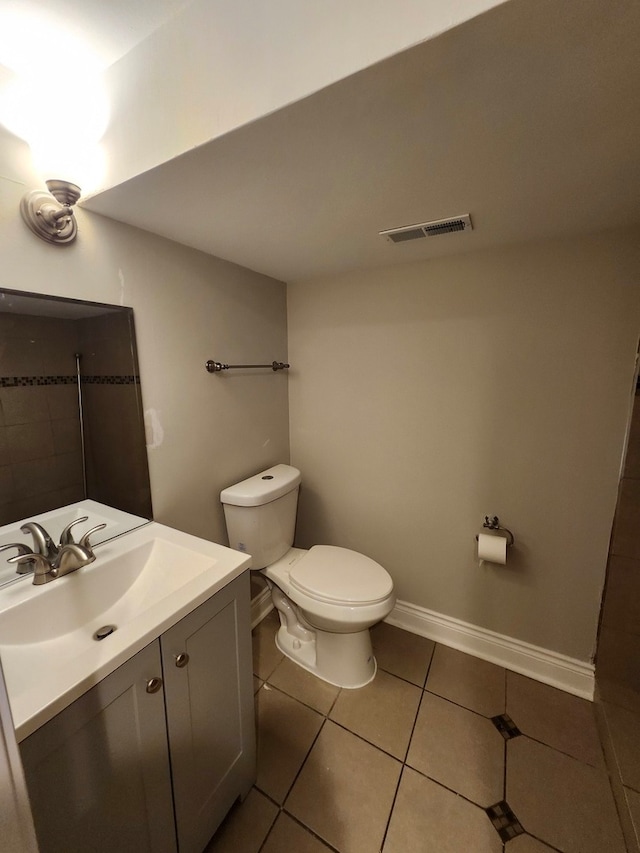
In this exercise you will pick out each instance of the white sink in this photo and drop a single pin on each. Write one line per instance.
(141, 583)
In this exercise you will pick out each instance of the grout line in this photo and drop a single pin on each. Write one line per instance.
(404, 762)
(458, 705)
(447, 788)
(310, 831)
(393, 805)
(273, 823)
(304, 761)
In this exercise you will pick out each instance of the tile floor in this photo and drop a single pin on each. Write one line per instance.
(415, 761)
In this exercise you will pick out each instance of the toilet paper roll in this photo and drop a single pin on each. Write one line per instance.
(492, 549)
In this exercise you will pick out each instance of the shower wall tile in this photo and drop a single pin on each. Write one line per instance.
(105, 346)
(62, 400)
(28, 441)
(66, 435)
(67, 470)
(33, 478)
(35, 504)
(621, 608)
(618, 658)
(626, 530)
(6, 485)
(25, 404)
(632, 460)
(21, 357)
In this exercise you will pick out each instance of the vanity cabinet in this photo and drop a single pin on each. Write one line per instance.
(152, 757)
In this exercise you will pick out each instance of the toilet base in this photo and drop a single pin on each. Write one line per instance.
(344, 660)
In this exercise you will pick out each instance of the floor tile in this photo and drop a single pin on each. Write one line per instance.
(468, 681)
(266, 655)
(624, 727)
(401, 653)
(246, 826)
(428, 818)
(257, 684)
(304, 686)
(460, 749)
(345, 791)
(287, 835)
(633, 801)
(286, 731)
(560, 800)
(369, 710)
(554, 717)
(527, 844)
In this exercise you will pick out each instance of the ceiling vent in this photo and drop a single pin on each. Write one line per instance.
(428, 229)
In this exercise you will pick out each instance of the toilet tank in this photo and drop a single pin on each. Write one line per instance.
(260, 513)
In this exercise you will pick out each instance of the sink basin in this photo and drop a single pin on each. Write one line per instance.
(123, 586)
(142, 583)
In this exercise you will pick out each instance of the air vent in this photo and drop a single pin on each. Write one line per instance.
(428, 229)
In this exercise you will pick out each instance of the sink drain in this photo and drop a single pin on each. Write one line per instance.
(103, 632)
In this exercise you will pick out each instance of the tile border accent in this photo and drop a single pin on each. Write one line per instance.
(505, 725)
(568, 674)
(25, 381)
(505, 823)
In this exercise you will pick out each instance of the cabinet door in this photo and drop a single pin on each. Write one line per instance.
(210, 714)
(98, 773)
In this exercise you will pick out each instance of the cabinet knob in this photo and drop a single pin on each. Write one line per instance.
(153, 685)
(182, 659)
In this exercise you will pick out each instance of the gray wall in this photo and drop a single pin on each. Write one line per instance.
(499, 382)
(204, 432)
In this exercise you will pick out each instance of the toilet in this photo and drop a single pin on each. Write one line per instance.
(327, 597)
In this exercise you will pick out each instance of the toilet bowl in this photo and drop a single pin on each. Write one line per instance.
(327, 597)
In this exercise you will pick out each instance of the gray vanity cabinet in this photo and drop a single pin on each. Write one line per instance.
(98, 773)
(207, 668)
(164, 744)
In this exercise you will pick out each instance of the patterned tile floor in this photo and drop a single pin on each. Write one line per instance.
(442, 752)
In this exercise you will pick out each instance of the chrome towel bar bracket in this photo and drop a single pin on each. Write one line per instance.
(217, 366)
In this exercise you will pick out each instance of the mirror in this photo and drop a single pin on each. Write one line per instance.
(71, 419)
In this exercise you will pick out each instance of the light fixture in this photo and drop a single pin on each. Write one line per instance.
(49, 214)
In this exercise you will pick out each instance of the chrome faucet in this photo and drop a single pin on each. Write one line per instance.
(69, 558)
(42, 542)
(49, 561)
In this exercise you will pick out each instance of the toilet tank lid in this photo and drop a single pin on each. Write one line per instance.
(262, 488)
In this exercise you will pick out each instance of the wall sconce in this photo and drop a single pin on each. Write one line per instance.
(49, 214)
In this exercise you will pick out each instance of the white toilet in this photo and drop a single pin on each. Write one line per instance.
(327, 597)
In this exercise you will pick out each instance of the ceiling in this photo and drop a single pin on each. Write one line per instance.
(525, 117)
(106, 29)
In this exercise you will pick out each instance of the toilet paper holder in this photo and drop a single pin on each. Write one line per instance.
(492, 522)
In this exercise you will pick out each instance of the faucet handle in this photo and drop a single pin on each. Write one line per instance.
(23, 551)
(42, 569)
(66, 537)
(85, 539)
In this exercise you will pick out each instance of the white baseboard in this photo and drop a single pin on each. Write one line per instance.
(560, 671)
(261, 605)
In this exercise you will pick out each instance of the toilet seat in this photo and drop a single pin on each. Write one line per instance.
(340, 576)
